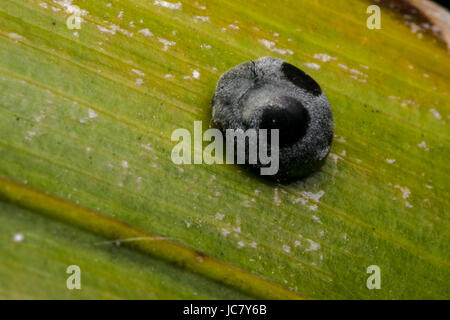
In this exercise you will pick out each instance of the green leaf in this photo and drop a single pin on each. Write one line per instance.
(86, 118)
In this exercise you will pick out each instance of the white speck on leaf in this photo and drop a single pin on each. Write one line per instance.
(196, 74)
(423, 145)
(201, 19)
(312, 65)
(92, 114)
(404, 190)
(219, 216)
(313, 246)
(323, 57)
(138, 72)
(168, 5)
(166, 43)
(436, 114)
(18, 237)
(146, 32)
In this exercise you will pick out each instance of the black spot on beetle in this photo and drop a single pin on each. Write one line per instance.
(300, 79)
(292, 120)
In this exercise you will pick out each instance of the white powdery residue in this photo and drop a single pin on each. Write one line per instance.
(357, 72)
(139, 179)
(166, 43)
(241, 244)
(414, 27)
(225, 232)
(297, 243)
(334, 157)
(271, 46)
(219, 216)
(167, 76)
(313, 196)
(234, 27)
(316, 219)
(407, 103)
(139, 81)
(29, 135)
(106, 30)
(423, 145)
(71, 9)
(201, 19)
(268, 44)
(364, 66)
(343, 66)
(297, 200)
(276, 197)
(283, 51)
(147, 147)
(16, 36)
(312, 207)
(43, 5)
(253, 244)
(428, 186)
(436, 114)
(120, 15)
(198, 6)
(168, 5)
(195, 74)
(18, 237)
(390, 161)
(408, 205)
(313, 246)
(146, 32)
(404, 190)
(124, 164)
(205, 46)
(323, 57)
(92, 114)
(358, 79)
(286, 248)
(312, 65)
(138, 72)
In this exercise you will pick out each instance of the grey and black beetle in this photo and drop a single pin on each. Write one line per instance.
(269, 93)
